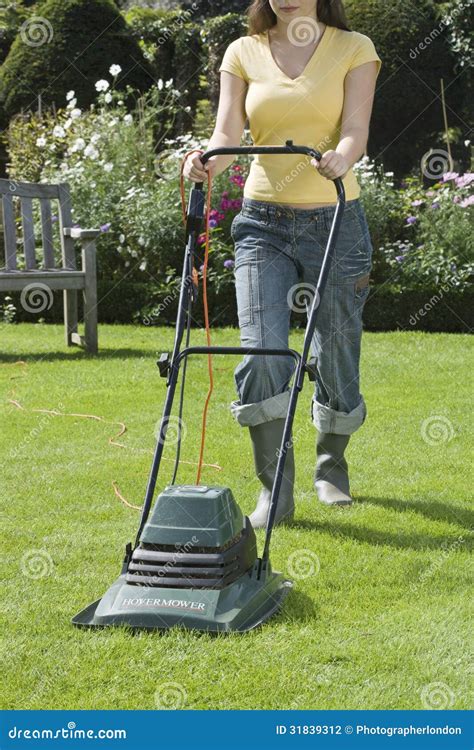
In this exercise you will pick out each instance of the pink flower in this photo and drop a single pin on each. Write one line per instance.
(449, 176)
(465, 180)
(467, 202)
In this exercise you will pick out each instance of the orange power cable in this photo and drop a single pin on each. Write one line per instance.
(204, 296)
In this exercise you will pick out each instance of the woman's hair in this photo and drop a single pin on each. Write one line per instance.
(261, 17)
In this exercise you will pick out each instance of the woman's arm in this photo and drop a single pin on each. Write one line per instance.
(359, 89)
(228, 129)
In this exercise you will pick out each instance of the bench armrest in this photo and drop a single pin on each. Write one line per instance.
(81, 234)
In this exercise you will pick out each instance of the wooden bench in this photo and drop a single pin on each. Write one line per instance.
(27, 276)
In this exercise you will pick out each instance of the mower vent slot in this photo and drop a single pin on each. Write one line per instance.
(197, 567)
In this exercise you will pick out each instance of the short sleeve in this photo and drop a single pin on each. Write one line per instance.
(232, 60)
(365, 52)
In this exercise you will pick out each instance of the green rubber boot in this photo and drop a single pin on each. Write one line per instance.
(331, 479)
(266, 441)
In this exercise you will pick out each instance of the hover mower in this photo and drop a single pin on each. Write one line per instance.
(194, 562)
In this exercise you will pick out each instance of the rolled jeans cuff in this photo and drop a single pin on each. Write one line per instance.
(337, 422)
(271, 408)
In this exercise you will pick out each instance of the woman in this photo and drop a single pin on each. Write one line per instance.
(300, 74)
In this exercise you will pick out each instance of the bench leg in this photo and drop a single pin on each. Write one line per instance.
(70, 314)
(89, 266)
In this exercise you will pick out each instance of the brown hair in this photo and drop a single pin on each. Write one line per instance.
(261, 17)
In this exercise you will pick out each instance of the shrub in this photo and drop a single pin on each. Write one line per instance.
(172, 44)
(108, 157)
(88, 34)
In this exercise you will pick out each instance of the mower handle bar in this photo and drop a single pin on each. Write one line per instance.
(288, 148)
(194, 216)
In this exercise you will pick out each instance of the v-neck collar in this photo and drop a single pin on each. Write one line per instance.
(323, 41)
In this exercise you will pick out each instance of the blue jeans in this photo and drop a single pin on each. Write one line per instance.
(278, 255)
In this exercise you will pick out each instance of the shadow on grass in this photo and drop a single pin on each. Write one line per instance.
(80, 355)
(435, 511)
(339, 526)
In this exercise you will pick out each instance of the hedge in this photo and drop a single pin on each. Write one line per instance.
(385, 310)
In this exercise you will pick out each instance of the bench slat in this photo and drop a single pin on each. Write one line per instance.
(28, 189)
(28, 232)
(47, 233)
(65, 220)
(9, 231)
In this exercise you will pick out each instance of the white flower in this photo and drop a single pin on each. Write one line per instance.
(70, 94)
(120, 102)
(168, 83)
(58, 131)
(95, 137)
(91, 151)
(160, 83)
(68, 123)
(187, 109)
(114, 70)
(102, 85)
(78, 145)
(72, 103)
(176, 92)
(121, 238)
(141, 240)
(41, 141)
(108, 97)
(142, 265)
(128, 119)
(108, 167)
(75, 113)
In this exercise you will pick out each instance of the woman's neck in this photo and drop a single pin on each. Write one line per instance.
(283, 30)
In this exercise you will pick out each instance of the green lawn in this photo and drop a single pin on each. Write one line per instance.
(384, 623)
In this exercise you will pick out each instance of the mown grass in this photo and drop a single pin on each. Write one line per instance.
(384, 623)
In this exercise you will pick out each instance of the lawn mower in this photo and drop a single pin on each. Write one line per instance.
(194, 562)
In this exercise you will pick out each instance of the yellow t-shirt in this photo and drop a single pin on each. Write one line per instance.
(306, 110)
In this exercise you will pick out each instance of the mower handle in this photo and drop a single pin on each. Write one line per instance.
(288, 148)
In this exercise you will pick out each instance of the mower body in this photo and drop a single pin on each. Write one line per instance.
(195, 566)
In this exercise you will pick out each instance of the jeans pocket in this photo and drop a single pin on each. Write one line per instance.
(233, 225)
(361, 292)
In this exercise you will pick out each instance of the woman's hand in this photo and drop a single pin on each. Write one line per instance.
(332, 165)
(196, 171)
